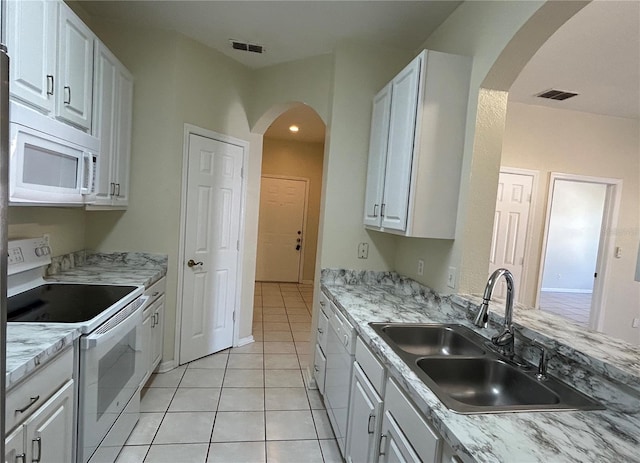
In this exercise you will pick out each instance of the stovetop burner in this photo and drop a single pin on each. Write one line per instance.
(64, 303)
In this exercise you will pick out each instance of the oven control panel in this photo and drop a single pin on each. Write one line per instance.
(28, 254)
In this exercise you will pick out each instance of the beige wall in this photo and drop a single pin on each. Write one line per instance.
(65, 226)
(302, 160)
(553, 140)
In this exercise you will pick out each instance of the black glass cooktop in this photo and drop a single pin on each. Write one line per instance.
(64, 303)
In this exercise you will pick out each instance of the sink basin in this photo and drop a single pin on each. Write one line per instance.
(486, 382)
(454, 362)
(431, 340)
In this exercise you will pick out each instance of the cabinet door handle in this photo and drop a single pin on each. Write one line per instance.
(375, 210)
(372, 418)
(49, 87)
(382, 210)
(322, 303)
(32, 400)
(383, 444)
(112, 190)
(320, 330)
(36, 443)
(67, 90)
(117, 189)
(156, 317)
(22, 458)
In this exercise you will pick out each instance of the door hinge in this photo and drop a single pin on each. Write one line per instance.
(233, 316)
(242, 172)
(237, 245)
(595, 275)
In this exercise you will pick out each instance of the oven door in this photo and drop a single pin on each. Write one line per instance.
(110, 372)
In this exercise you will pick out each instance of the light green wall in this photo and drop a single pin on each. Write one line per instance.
(360, 71)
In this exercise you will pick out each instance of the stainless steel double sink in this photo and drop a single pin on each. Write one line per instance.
(460, 367)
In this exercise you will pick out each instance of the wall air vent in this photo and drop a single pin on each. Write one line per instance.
(556, 95)
(245, 46)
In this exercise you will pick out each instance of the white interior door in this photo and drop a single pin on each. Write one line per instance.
(510, 227)
(280, 229)
(211, 243)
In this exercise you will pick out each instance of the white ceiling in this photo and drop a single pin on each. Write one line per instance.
(596, 54)
(289, 30)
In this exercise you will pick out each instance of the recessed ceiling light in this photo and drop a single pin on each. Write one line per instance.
(294, 128)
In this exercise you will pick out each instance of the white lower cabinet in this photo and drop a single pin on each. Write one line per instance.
(406, 436)
(152, 329)
(365, 413)
(47, 435)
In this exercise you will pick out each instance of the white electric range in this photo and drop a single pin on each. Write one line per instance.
(110, 320)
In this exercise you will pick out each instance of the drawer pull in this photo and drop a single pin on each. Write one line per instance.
(32, 400)
(38, 442)
(22, 458)
(320, 330)
(155, 293)
(316, 369)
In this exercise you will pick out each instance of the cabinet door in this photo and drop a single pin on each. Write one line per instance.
(378, 140)
(365, 408)
(31, 43)
(402, 125)
(14, 447)
(75, 69)
(157, 333)
(105, 121)
(395, 448)
(49, 431)
(123, 142)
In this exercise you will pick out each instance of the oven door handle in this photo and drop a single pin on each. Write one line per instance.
(114, 327)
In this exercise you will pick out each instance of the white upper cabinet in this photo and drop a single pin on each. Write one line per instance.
(377, 156)
(51, 53)
(31, 41)
(113, 106)
(417, 192)
(75, 69)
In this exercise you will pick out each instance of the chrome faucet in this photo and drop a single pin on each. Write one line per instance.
(504, 340)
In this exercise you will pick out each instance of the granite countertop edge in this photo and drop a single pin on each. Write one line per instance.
(524, 437)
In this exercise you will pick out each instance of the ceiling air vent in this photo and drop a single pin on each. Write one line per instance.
(556, 94)
(245, 46)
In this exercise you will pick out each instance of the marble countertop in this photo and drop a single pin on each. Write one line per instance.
(568, 436)
(30, 345)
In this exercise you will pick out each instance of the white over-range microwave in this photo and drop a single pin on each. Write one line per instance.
(49, 162)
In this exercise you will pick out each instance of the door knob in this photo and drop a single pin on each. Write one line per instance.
(193, 263)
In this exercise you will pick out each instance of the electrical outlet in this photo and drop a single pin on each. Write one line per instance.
(451, 277)
(420, 267)
(636, 323)
(363, 250)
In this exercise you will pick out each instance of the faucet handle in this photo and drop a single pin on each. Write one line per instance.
(542, 365)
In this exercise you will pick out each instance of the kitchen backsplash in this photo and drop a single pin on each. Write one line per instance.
(80, 258)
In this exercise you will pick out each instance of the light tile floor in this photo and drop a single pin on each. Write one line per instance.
(245, 405)
(574, 306)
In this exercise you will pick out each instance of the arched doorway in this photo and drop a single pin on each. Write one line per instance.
(287, 236)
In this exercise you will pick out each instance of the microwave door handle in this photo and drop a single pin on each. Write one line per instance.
(96, 339)
(86, 173)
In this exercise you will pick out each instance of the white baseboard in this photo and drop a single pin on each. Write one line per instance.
(309, 379)
(244, 341)
(566, 290)
(166, 366)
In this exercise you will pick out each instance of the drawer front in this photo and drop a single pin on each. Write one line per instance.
(35, 390)
(319, 368)
(371, 366)
(157, 289)
(325, 304)
(424, 440)
(323, 325)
